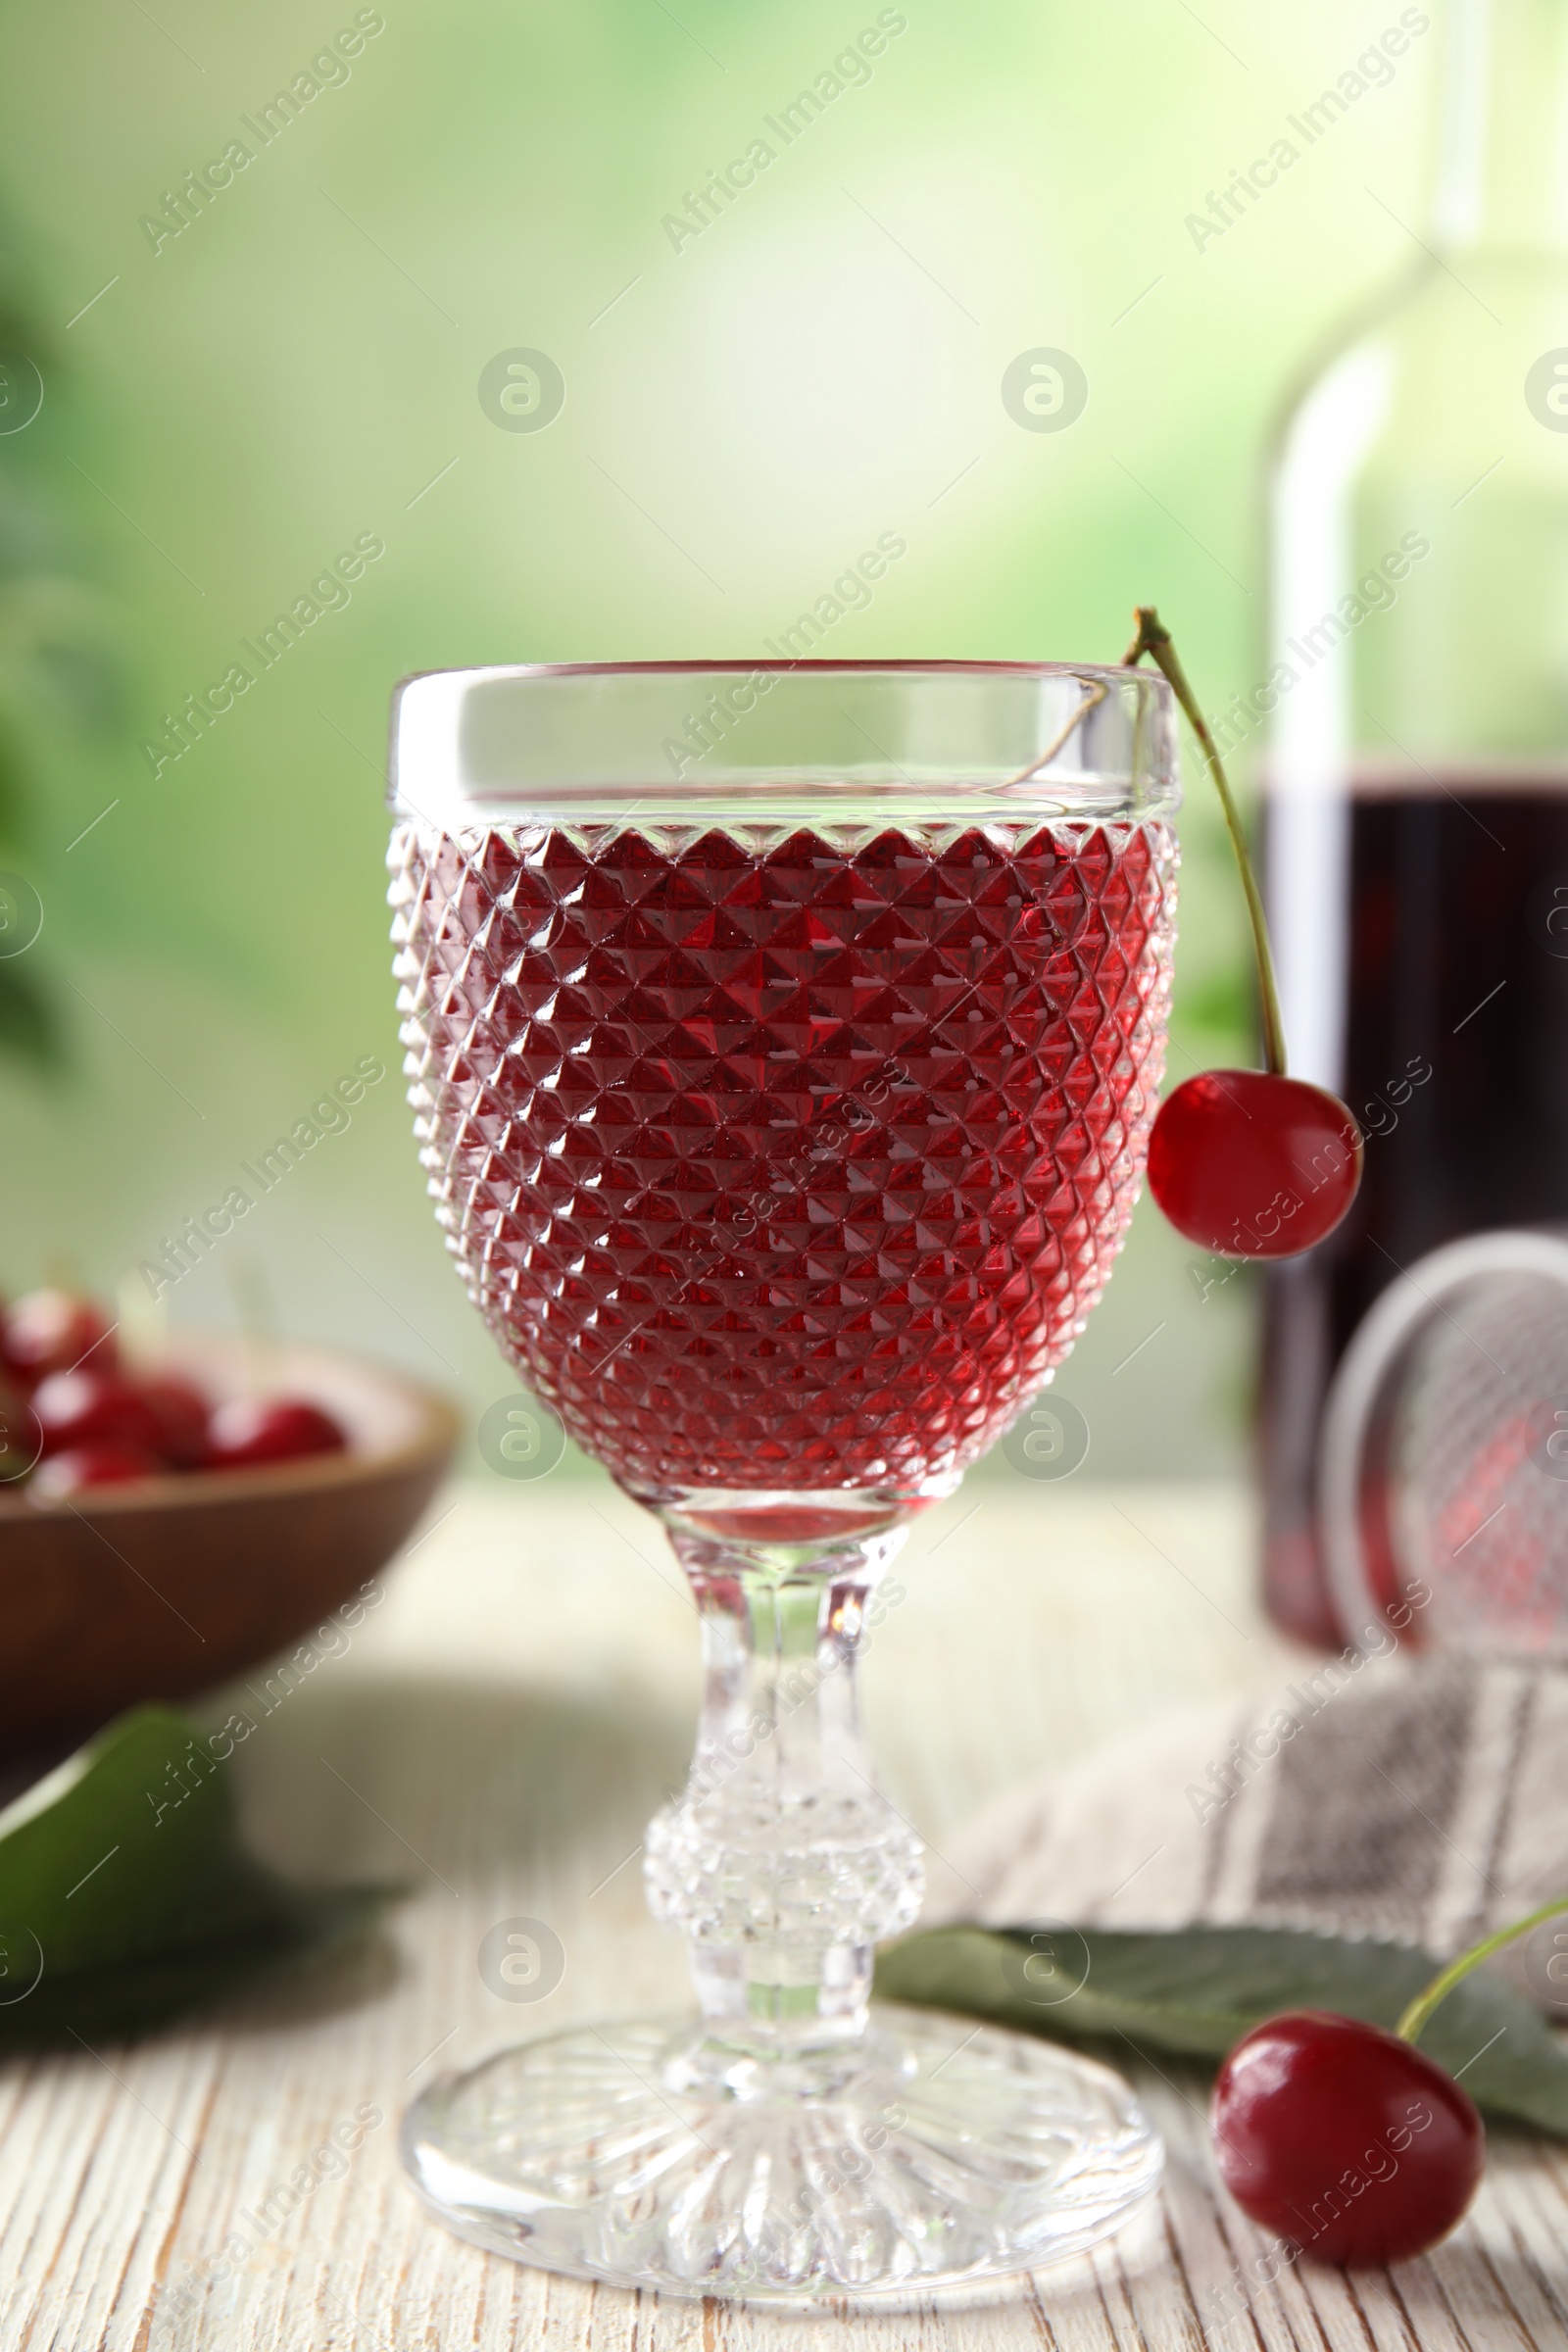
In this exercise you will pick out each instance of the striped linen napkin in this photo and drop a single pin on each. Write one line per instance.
(1425, 1802)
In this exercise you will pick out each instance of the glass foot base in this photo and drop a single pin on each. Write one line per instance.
(925, 2160)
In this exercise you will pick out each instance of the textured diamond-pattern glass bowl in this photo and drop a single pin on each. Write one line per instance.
(890, 1087)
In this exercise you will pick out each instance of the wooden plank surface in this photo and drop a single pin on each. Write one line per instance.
(495, 1734)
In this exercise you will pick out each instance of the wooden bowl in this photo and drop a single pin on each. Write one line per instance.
(170, 1584)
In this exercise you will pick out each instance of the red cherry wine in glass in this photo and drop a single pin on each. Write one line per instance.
(795, 1162)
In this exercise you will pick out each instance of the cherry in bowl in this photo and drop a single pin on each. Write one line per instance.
(248, 1432)
(21, 1438)
(107, 1462)
(95, 1408)
(180, 1412)
(54, 1331)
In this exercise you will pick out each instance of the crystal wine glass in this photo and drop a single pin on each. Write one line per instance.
(783, 1041)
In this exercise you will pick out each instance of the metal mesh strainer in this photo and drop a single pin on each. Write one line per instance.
(1444, 1459)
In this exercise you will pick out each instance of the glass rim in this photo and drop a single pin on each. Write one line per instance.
(972, 740)
(893, 665)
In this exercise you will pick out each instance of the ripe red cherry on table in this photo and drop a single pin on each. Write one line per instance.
(1250, 1163)
(1345, 2140)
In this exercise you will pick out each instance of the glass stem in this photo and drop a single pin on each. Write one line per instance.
(781, 1862)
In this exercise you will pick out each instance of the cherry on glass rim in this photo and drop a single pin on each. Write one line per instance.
(1251, 1163)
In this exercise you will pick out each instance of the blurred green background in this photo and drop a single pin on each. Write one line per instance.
(300, 364)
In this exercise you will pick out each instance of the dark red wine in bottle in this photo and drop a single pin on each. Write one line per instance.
(1455, 1062)
(1410, 733)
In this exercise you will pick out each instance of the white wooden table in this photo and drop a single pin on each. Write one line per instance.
(497, 1733)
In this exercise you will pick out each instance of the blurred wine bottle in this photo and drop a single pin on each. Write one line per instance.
(1416, 774)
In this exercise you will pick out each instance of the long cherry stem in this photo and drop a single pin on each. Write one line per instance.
(1154, 639)
(1415, 2017)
